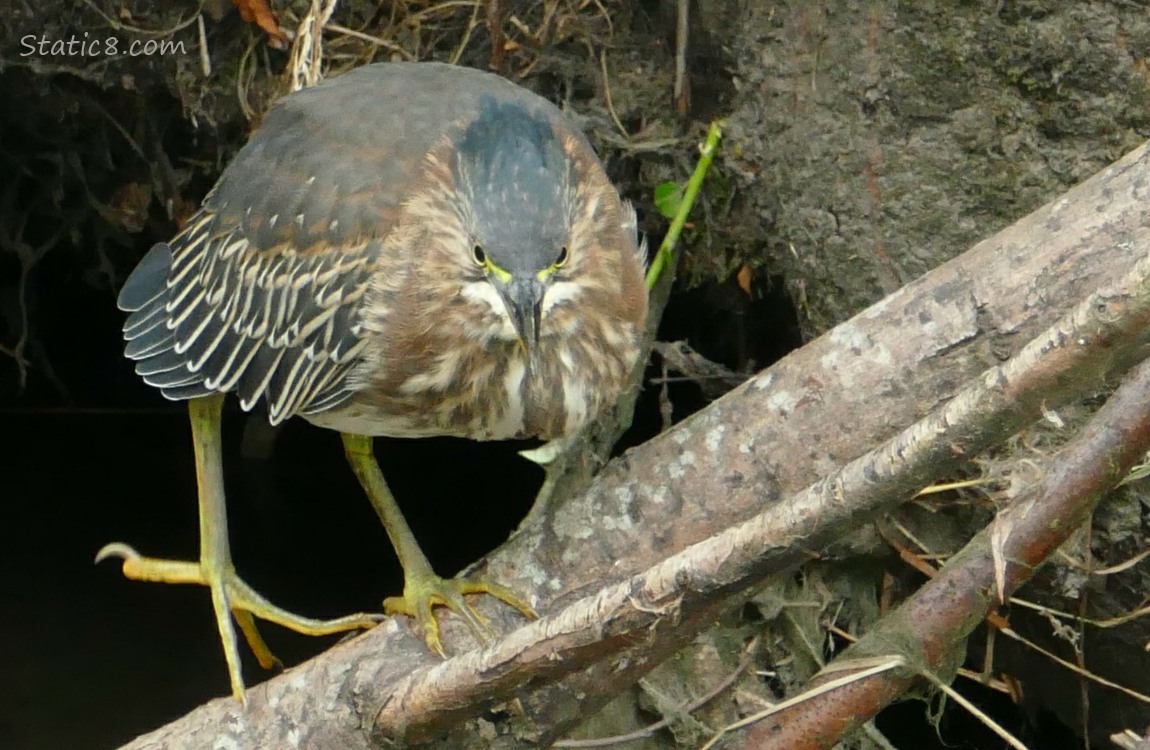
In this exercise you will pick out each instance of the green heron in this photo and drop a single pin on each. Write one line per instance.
(409, 249)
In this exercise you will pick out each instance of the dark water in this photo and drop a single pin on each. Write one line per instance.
(118, 657)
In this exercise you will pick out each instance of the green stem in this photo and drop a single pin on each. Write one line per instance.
(690, 193)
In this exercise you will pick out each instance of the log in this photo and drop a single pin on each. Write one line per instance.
(754, 449)
(928, 631)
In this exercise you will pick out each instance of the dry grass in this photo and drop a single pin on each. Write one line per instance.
(119, 142)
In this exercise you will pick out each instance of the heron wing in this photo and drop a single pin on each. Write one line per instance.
(261, 293)
(213, 314)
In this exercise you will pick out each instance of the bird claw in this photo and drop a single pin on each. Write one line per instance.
(548, 452)
(139, 568)
(117, 549)
(422, 595)
(232, 598)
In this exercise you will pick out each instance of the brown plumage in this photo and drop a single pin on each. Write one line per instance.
(326, 273)
(405, 250)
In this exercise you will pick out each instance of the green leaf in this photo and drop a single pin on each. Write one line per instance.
(668, 197)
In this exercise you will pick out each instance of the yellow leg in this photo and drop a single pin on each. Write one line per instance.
(422, 588)
(231, 596)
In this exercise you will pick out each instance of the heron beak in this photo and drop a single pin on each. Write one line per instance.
(523, 296)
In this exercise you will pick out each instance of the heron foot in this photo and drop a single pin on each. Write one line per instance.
(422, 593)
(232, 597)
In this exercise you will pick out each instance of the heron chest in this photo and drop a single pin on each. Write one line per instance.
(466, 395)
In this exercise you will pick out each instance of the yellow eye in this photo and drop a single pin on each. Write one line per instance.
(479, 256)
(562, 259)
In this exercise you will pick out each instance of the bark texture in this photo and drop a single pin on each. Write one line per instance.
(777, 433)
(929, 631)
(867, 143)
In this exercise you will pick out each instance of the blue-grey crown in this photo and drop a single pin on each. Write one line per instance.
(511, 166)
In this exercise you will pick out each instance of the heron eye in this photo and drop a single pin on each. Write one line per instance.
(479, 256)
(562, 259)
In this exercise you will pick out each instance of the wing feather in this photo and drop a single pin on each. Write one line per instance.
(261, 292)
(211, 313)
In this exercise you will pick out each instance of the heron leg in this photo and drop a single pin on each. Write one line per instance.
(231, 595)
(422, 588)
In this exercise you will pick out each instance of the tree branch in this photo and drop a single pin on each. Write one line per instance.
(929, 627)
(670, 601)
(602, 552)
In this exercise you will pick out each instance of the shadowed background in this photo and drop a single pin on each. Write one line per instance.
(865, 145)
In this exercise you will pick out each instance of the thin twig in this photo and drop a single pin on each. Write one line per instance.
(471, 24)
(307, 49)
(119, 25)
(855, 675)
(682, 87)
(336, 28)
(690, 194)
(243, 79)
(961, 700)
(205, 56)
(607, 94)
(1077, 669)
(686, 707)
